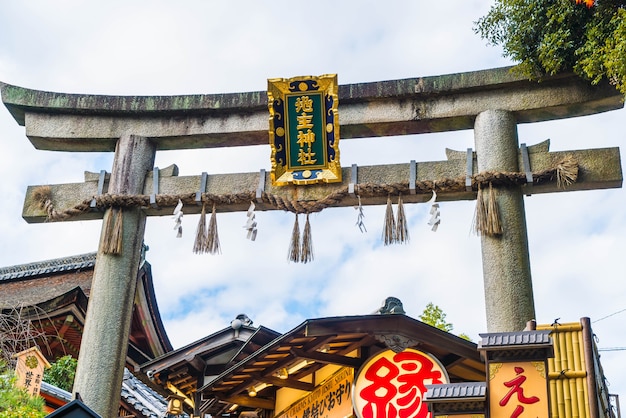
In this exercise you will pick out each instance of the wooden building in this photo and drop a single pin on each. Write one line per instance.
(311, 371)
(265, 380)
(53, 294)
(308, 371)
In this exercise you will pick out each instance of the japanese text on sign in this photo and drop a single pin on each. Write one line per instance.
(329, 400)
(29, 370)
(392, 385)
(304, 130)
(306, 139)
(518, 389)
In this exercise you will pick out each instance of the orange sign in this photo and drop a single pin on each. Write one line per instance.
(29, 369)
(392, 385)
(518, 390)
(462, 416)
(331, 399)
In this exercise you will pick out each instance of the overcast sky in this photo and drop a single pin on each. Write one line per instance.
(577, 239)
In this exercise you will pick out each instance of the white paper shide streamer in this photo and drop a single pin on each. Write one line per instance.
(178, 219)
(360, 216)
(250, 225)
(435, 219)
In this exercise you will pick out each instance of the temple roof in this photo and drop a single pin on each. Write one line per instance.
(318, 342)
(57, 265)
(56, 292)
(206, 358)
(140, 397)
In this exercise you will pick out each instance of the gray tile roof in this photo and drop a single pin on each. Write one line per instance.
(456, 391)
(135, 393)
(55, 391)
(140, 396)
(57, 265)
(521, 338)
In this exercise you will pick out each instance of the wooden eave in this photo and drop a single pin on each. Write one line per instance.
(61, 320)
(188, 365)
(147, 330)
(329, 341)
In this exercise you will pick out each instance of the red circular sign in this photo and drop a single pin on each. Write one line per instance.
(392, 385)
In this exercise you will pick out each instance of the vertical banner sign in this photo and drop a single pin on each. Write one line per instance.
(392, 385)
(331, 399)
(304, 130)
(518, 389)
(29, 370)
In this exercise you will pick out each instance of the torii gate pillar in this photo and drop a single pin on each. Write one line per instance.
(101, 366)
(506, 261)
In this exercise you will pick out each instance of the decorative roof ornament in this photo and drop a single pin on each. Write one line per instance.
(391, 305)
(396, 343)
(241, 320)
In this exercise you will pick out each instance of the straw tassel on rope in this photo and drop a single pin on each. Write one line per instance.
(213, 239)
(402, 227)
(487, 216)
(494, 226)
(566, 172)
(389, 227)
(200, 245)
(294, 245)
(307, 243)
(480, 213)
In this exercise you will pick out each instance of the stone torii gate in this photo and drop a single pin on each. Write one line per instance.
(492, 102)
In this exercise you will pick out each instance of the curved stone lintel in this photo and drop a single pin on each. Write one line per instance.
(82, 122)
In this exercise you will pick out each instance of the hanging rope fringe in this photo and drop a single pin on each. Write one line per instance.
(113, 231)
(480, 213)
(389, 227)
(200, 245)
(307, 243)
(402, 227)
(487, 215)
(494, 226)
(213, 239)
(564, 172)
(294, 245)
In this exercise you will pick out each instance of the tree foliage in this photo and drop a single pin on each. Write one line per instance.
(550, 36)
(17, 333)
(434, 316)
(16, 402)
(61, 373)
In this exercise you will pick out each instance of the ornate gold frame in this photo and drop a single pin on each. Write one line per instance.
(284, 97)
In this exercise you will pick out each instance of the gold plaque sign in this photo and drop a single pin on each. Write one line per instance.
(304, 130)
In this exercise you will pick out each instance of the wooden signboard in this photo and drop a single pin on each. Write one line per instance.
(331, 399)
(518, 389)
(29, 369)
